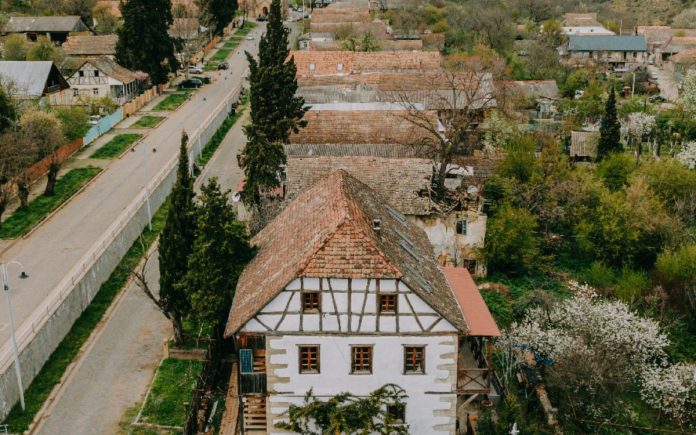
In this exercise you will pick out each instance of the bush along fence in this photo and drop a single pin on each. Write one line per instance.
(46, 328)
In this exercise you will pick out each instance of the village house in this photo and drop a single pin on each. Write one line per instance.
(345, 294)
(55, 28)
(102, 77)
(35, 80)
(324, 63)
(583, 24)
(618, 52)
(537, 98)
(657, 37)
(583, 146)
(80, 46)
(456, 232)
(676, 45)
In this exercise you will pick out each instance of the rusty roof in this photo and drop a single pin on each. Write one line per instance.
(403, 183)
(90, 45)
(327, 231)
(478, 318)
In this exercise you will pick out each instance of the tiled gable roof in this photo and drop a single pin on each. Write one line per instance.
(403, 182)
(90, 45)
(350, 62)
(327, 232)
(70, 23)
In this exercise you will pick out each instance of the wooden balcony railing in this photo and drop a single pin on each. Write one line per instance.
(473, 380)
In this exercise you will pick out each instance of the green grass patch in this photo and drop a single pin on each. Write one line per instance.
(229, 46)
(64, 354)
(172, 102)
(116, 146)
(172, 387)
(148, 121)
(23, 220)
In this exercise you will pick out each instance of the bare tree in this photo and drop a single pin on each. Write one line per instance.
(15, 158)
(460, 98)
(186, 31)
(140, 277)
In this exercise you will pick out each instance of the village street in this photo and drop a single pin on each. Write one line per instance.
(57, 246)
(117, 367)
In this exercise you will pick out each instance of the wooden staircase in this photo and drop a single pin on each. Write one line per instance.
(254, 414)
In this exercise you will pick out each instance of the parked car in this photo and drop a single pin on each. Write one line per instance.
(653, 75)
(250, 38)
(191, 83)
(223, 65)
(194, 69)
(94, 119)
(657, 99)
(262, 18)
(204, 79)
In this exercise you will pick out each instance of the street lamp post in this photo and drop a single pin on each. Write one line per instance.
(6, 288)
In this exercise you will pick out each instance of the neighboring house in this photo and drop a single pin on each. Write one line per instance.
(583, 24)
(91, 46)
(676, 45)
(103, 77)
(684, 61)
(55, 28)
(325, 63)
(456, 233)
(35, 80)
(345, 294)
(618, 52)
(539, 96)
(658, 37)
(583, 145)
(587, 31)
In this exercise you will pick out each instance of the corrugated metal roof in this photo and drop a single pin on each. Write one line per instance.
(607, 43)
(68, 23)
(26, 77)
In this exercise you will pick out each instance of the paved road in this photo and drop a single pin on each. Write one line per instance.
(115, 371)
(59, 244)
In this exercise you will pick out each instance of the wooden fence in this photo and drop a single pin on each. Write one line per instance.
(138, 102)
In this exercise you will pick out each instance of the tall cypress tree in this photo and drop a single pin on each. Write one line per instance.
(143, 41)
(610, 129)
(275, 110)
(176, 244)
(217, 14)
(220, 252)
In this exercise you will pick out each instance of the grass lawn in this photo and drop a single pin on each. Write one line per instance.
(172, 387)
(116, 146)
(172, 102)
(229, 46)
(22, 221)
(147, 121)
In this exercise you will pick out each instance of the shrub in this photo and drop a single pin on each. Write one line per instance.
(676, 271)
(600, 276)
(511, 246)
(631, 286)
(74, 122)
(615, 171)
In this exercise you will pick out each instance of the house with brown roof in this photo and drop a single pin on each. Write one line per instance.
(455, 233)
(91, 46)
(322, 63)
(345, 294)
(100, 77)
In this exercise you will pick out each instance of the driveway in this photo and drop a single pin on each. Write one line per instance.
(666, 82)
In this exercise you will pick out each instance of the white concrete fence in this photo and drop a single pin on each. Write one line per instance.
(41, 333)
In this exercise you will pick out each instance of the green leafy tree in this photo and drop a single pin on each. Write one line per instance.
(176, 244)
(143, 40)
(345, 413)
(676, 270)
(615, 171)
(609, 130)
(511, 245)
(15, 47)
(74, 121)
(220, 251)
(217, 14)
(43, 49)
(275, 110)
(45, 132)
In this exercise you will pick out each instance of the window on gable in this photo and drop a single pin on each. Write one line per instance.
(388, 303)
(462, 226)
(339, 67)
(414, 360)
(96, 73)
(361, 361)
(81, 73)
(311, 301)
(309, 359)
(396, 413)
(312, 66)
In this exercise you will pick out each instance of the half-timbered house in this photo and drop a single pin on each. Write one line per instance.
(345, 294)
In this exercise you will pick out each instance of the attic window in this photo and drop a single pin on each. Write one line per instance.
(96, 73)
(81, 73)
(462, 226)
(387, 303)
(312, 66)
(310, 302)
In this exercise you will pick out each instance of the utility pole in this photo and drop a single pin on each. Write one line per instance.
(6, 288)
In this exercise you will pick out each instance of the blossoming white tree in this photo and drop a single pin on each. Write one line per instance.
(687, 155)
(688, 98)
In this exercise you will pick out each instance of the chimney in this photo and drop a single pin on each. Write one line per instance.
(377, 225)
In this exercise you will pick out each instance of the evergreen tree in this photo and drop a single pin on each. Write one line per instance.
(217, 14)
(610, 129)
(176, 244)
(275, 110)
(220, 252)
(143, 41)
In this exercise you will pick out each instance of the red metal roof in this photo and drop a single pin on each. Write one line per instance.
(478, 318)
